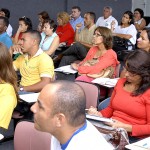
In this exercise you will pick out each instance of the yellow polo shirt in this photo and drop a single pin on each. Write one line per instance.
(8, 102)
(31, 70)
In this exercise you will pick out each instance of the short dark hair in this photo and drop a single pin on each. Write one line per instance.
(140, 11)
(5, 20)
(69, 100)
(51, 23)
(35, 34)
(141, 68)
(27, 22)
(92, 15)
(76, 7)
(107, 36)
(6, 12)
(44, 15)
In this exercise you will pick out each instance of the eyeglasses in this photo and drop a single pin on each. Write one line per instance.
(130, 73)
(97, 35)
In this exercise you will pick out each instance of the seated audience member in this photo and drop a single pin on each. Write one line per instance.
(64, 29)
(4, 37)
(76, 17)
(139, 21)
(64, 118)
(6, 13)
(83, 41)
(8, 87)
(143, 42)
(125, 30)
(100, 56)
(25, 24)
(107, 18)
(129, 105)
(42, 17)
(50, 40)
(35, 66)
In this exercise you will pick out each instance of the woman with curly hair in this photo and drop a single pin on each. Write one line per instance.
(129, 105)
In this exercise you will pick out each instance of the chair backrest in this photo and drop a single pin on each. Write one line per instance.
(91, 92)
(26, 137)
(118, 67)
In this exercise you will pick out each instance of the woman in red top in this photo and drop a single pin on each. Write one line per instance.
(64, 29)
(130, 101)
(24, 25)
(99, 57)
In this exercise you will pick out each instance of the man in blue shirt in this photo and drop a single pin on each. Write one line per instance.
(4, 37)
(76, 17)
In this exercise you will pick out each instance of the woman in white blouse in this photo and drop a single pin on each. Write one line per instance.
(126, 29)
(139, 21)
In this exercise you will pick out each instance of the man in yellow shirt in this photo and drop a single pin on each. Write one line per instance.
(35, 66)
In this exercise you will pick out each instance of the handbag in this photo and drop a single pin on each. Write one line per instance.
(105, 73)
(121, 42)
(122, 54)
(118, 138)
(121, 46)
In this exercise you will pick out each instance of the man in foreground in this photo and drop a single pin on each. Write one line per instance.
(60, 111)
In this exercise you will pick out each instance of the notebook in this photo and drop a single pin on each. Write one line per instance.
(140, 145)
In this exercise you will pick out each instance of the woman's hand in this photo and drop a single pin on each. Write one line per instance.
(74, 66)
(119, 124)
(113, 25)
(93, 111)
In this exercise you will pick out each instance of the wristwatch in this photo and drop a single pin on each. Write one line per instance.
(21, 88)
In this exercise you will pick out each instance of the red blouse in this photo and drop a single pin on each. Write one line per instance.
(133, 110)
(106, 60)
(66, 34)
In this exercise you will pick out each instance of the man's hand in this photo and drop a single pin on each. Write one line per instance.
(78, 26)
(16, 49)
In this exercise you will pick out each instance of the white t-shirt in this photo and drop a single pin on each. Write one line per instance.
(88, 139)
(106, 22)
(9, 30)
(128, 30)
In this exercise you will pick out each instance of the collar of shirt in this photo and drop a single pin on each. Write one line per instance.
(39, 52)
(64, 146)
(107, 18)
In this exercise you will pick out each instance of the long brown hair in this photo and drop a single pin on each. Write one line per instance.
(7, 72)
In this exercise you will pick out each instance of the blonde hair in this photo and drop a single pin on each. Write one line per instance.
(64, 16)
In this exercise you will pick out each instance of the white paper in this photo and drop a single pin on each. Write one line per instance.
(1, 136)
(97, 118)
(142, 144)
(30, 98)
(66, 69)
(106, 81)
